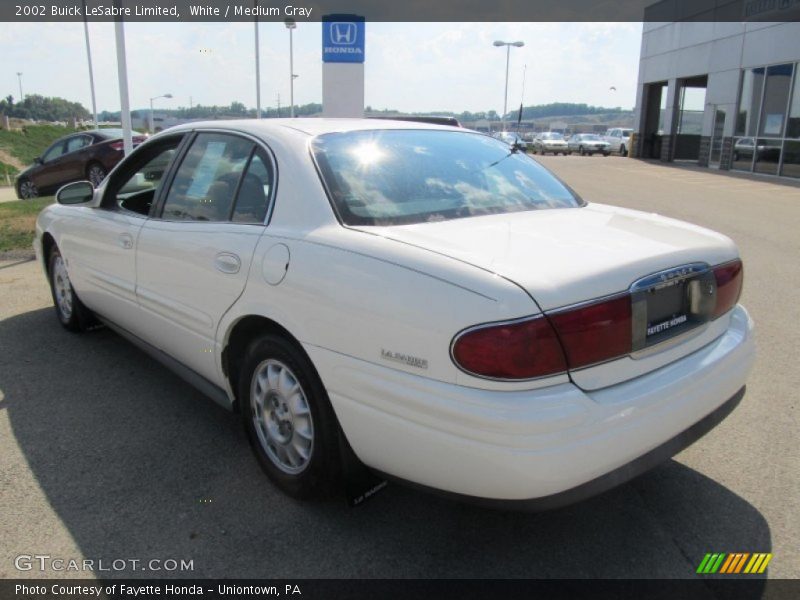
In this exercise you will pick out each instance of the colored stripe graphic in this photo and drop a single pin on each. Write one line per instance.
(741, 562)
(731, 560)
(702, 567)
(734, 562)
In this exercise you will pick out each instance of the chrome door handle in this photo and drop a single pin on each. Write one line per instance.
(227, 262)
(125, 241)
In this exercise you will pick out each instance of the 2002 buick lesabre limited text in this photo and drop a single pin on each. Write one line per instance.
(422, 298)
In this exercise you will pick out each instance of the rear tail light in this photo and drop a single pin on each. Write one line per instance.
(517, 350)
(729, 286)
(568, 339)
(117, 145)
(596, 332)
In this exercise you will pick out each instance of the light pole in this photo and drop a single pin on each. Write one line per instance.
(258, 74)
(19, 76)
(508, 57)
(89, 59)
(291, 25)
(151, 109)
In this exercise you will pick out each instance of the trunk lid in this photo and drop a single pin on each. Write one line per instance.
(568, 256)
(565, 256)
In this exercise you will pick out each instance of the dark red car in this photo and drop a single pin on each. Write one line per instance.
(88, 155)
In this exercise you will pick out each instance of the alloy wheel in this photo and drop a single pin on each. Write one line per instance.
(282, 416)
(63, 289)
(96, 175)
(28, 190)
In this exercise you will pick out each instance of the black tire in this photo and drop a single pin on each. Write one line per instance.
(27, 190)
(71, 312)
(320, 475)
(95, 173)
(605, 153)
(581, 150)
(623, 151)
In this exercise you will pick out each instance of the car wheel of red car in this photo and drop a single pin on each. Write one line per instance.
(27, 190)
(95, 173)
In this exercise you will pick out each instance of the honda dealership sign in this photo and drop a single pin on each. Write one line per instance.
(342, 39)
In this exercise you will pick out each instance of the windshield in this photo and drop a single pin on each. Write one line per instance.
(394, 177)
(552, 136)
(590, 137)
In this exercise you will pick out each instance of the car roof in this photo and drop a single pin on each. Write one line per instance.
(286, 128)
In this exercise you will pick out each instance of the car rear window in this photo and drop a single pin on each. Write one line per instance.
(395, 177)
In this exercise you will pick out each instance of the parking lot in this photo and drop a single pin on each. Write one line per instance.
(104, 454)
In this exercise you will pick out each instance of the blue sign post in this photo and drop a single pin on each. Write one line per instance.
(342, 39)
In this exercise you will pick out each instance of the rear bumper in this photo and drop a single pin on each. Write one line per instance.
(610, 480)
(536, 448)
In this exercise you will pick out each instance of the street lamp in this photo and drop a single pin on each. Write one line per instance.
(19, 76)
(291, 26)
(152, 129)
(508, 56)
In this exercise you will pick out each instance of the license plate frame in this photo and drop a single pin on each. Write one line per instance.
(670, 303)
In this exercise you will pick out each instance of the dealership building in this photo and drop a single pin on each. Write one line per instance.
(723, 94)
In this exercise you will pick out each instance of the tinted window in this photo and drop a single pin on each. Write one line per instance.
(413, 176)
(53, 152)
(254, 192)
(78, 142)
(206, 182)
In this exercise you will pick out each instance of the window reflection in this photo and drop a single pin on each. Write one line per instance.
(767, 116)
(791, 159)
(768, 155)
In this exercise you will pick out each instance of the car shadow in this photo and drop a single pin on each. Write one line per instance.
(137, 464)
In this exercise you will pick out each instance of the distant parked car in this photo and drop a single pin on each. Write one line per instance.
(619, 140)
(512, 139)
(88, 155)
(550, 141)
(588, 143)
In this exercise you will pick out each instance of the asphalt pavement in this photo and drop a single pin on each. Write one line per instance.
(105, 455)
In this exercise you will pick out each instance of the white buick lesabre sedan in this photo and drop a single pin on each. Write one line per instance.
(422, 300)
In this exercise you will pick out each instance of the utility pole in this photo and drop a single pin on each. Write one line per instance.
(19, 76)
(258, 72)
(91, 71)
(279, 105)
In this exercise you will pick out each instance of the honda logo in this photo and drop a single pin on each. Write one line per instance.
(343, 34)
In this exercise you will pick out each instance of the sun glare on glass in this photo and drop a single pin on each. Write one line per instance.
(367, 154)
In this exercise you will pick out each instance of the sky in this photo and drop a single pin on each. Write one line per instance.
(411, 67)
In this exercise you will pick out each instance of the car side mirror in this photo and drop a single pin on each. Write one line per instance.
(38, 160)
(79, 192)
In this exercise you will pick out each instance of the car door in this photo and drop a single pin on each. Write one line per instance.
(101, 246)
(193, 259)
(48, 174)
(73, 161)
(615, 139)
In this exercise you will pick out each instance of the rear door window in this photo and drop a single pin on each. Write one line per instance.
(207, 180)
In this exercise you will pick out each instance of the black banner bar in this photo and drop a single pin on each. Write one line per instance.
(699, 588)
(400, 10)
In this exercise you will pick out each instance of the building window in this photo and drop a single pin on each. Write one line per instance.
(749, 102)
(776, 97)
(769, 113)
